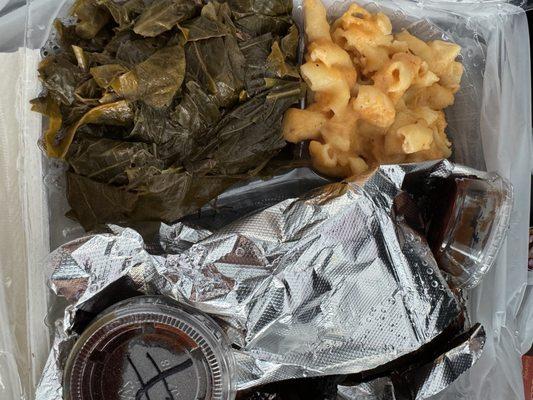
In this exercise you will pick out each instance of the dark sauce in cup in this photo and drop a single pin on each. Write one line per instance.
(149, 348)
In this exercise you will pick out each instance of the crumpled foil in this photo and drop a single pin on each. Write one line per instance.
(334, 282)
(423, 381)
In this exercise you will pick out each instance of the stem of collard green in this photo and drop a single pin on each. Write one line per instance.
(285, 94)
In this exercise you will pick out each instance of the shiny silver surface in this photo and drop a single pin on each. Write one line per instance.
(330, 283)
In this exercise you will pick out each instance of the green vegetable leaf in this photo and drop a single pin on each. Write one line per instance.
(217, 65)
(88, 93)
(107, 160)
(166, 196)
(153, 122)
(265, 7)
(105, 74)
(115, 114)
(163, 15)
(277, 66)
(265, 64)
(256, 52)
(249, 136)
(130, 50)
(95, 203)
(290, 43)
(91, 18)
(61, 77)
(171, 195)
(214, 21)
(259, 24)
(198, 111)
(68, 36)
(125, 13)
(48, 107)
(157, 126)
(156, 80)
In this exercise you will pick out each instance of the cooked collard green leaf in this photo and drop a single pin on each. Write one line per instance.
(124, 13)
(50, 108)
(277, 66)
(132, 50)
(265, 7)
(107, 160)
(91, 18)
(88, 93)
(217, 64)
(197, 112)
(95, 203)
(290, 44)
(114, 114)
(104, 75)
(61, 77)
(214, 21)
(156, 80)
(158, 106)
(249, 136)
(259, 24)
(163, 15)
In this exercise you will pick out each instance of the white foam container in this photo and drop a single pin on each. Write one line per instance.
(490, 125)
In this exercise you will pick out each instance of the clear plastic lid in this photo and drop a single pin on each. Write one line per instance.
(470, 222)
(149, 348)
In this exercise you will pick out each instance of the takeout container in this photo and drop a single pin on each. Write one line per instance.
(151, 345)
(489, 126)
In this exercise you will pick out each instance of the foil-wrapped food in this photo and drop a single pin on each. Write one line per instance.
(339, 283)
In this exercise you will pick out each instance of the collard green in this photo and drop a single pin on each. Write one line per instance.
(91, 18)
(49, 108)
(214, 21)
(290, 43)
(265, 7)
(156, 80)
(163, 15)
(114, 114)
(81, 58)
(266, 64)
(249, 136)
(89, 93)
(277, 65)
(94, 203)
(217, 64)
(166, 196)
(67, 36)
(103, 75)
(132, 50)
(157, 107)
(197, 112)
(157, 126)
(259, 24)
(61, 76)
(124, 13)
(108, 161)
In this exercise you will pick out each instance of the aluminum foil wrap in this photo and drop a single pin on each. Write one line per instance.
(334, 282)
(425, 379)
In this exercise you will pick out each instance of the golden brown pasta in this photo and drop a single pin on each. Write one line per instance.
(374, 106)
(409, 139)
(377, 97)
(316, 21)
(328, 81)
(300, 125)
(333, 56)
(340, 132)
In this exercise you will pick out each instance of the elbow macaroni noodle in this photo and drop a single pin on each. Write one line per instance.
(377, 96)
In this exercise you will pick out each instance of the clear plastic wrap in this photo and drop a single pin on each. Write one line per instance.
(489, 125)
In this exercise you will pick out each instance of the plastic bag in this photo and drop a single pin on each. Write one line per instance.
(491, 119)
